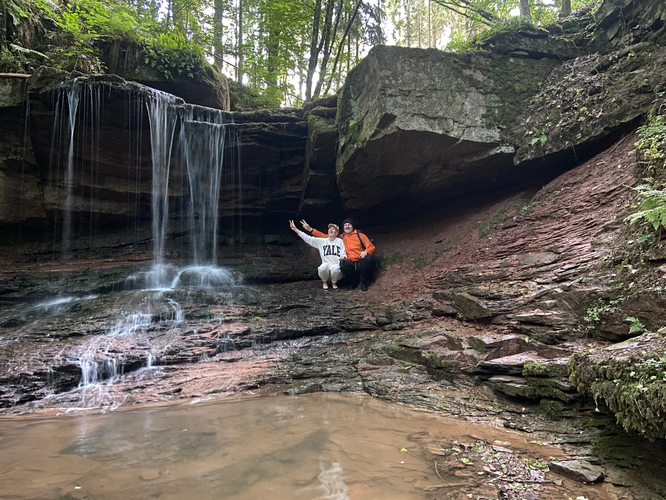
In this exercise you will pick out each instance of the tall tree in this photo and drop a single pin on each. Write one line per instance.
(565, 8)
(350, 23)
(525, 10)
(239, 43)
(315, 48)
(218, 32)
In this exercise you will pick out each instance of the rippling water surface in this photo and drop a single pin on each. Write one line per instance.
(308, 447)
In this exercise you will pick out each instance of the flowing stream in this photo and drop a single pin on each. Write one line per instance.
(196, 138)
(315, 447)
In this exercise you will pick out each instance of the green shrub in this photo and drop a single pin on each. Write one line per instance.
(595, 313)
(172, 56)
(651, 146)
(652, 208)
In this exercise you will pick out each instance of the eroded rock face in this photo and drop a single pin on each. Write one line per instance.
(422, 126)
(207, 87)
(417, 125)
(19, 187)
(320, 197)
(113, 169)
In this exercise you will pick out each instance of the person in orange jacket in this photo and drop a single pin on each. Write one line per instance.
(359, 266)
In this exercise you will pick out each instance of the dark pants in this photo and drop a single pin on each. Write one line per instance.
(362, 271)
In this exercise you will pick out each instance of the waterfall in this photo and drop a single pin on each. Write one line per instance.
(73, 95)
(162, 117)
(196, 139)
(204, 155)
(84, 136)
(204, 135)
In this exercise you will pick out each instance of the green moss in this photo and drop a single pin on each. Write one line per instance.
(421, 260)
(546, 388)
(618, 449)
(438, 369)
(244, 98)
(551, 408)
(515, 82)
(544, 369)
(632, 387)
(394, 258)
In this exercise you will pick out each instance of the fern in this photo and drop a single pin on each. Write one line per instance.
(652, 208)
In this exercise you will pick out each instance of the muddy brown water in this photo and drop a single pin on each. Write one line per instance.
(308, 447)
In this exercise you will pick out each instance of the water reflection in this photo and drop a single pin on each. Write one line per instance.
(315, 447)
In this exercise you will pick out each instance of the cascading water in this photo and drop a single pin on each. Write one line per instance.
(204, 153)
(162, 115)
(197, 138)
(73, 94)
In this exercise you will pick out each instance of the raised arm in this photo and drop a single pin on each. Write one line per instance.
(314, 232)
(306, 238)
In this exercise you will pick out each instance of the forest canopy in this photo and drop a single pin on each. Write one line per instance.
(285, 51)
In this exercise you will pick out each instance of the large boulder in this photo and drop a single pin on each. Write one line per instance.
(421, 125)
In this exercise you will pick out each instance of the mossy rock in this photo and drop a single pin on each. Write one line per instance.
(437, 368)
(548, 369)
(630, 379)
(550, 389)
(553, 409)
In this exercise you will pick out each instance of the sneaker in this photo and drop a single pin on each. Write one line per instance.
(334, 285)
(364, 287)
(325, 286)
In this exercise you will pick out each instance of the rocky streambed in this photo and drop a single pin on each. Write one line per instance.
(106, 341)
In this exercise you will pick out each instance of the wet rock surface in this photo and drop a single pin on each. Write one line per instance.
(111, 185)
(580, 470)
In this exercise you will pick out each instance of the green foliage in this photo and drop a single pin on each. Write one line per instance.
(595, 313)
(172, 56)
(244, 98)
(541, 140)
(633, 387)
(651, 146)
(652, 208)
(79, 25)
(636, 325)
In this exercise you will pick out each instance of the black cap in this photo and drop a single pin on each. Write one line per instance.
(351, 221)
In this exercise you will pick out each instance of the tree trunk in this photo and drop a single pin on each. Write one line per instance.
(272, 56)
(565, 10)
(409, 23)
(352, 17)
(239, 44)
(418, 20)
(429, 25)
(525, 10)
(218, 32)
(314, 51)
(349, 54)
(329, 40)
(178, 15)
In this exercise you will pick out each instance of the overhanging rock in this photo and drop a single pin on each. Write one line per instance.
(416, 125)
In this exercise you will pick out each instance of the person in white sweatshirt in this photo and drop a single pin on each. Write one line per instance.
(331, 251)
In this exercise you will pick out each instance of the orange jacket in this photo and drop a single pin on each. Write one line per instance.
(352, 244)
